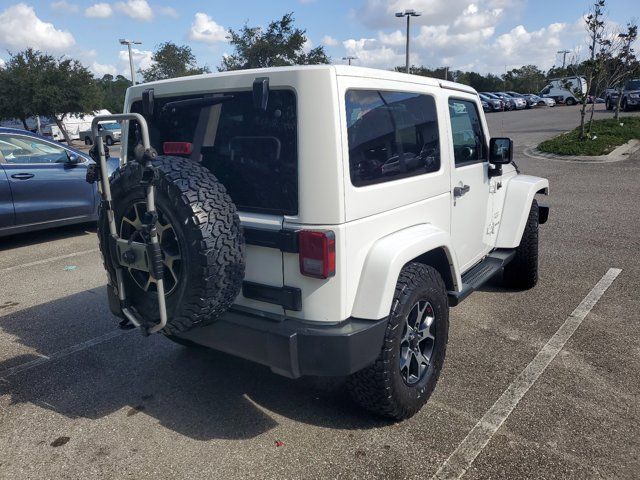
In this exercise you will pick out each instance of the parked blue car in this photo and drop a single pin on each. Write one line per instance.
(42, 183)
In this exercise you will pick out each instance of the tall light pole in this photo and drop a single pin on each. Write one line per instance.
(564, 56)
(128, 43)
(349, 59)
(408, 14)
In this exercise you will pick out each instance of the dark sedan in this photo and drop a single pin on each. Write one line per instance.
(42, 183)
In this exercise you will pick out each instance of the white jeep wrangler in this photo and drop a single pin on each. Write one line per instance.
(319, 220)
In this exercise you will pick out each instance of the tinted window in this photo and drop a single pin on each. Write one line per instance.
(391, 135)
(468, 140)
(252, 152)
(24, 149)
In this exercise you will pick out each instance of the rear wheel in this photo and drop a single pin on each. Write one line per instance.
(608, 105)
(200, 238)
(406, 371)
(624, 106)
(87, 141)
(522, 272)
(109, 141)
(570, 101)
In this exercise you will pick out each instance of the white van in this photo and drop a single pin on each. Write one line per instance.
(566, 90)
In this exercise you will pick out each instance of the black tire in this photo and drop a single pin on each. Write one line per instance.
(624, 106)
(608, 105)
(87, 141)
(206, 233)
(522, 272)
(382, 387)
(570, 101)
(109, 141)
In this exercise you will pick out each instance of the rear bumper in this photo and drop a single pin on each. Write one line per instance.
(293, 348)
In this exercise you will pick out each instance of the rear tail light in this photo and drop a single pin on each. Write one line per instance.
(177, 148)
(317, 254)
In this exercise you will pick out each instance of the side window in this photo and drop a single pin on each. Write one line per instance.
(26, 150)
(391, 135)
(546, 90)
(466, 129)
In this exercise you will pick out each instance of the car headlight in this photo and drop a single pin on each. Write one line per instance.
(634, 95)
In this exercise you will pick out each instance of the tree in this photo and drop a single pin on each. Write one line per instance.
(626, 63)
(526, 79)
(595, 25)
(281, 44)
(113, 92)
(33, 83)
(171, 61)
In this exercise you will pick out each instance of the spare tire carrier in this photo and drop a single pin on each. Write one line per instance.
(145, 256)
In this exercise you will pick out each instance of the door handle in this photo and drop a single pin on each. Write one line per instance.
(22, 176)
(460, 191)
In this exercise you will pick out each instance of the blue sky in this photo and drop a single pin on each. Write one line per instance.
(483, 35)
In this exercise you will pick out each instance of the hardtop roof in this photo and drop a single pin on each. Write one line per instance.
(339, 70)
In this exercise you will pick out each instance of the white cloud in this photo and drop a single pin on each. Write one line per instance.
(205, 29)
(20, 28)
(168, 12)
(394, 39)
(461, 34)
(136, 9)
(100, 69)
(329, 41)
(141, 60)
(373, 53)
(99, 10)
(65, 6)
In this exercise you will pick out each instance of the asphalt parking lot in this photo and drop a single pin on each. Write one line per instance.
(81, 399)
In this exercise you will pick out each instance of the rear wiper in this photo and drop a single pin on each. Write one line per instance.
(202, 102)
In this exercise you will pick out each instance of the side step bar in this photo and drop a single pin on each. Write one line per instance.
(481, 273)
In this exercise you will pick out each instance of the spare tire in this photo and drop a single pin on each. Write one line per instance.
(200, 237)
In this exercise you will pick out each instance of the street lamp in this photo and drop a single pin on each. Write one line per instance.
(349, 59)
(128, 43)
(408, 14)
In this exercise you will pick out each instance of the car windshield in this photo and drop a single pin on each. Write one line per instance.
(111, 126)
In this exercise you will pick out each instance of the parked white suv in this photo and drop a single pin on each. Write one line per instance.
(319, 220)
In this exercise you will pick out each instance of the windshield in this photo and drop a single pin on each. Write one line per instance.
(111, 126)
(253, 153)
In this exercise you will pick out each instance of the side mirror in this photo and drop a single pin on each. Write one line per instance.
(72, 159)
(500, 151)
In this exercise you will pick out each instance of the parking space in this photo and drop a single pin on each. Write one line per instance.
(79, 398)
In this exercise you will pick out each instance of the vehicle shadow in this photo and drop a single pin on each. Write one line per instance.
(197, 392)
(46, 236)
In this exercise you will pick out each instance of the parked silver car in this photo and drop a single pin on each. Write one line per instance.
(517, 102)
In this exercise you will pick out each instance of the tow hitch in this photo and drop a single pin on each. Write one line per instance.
(146, 255)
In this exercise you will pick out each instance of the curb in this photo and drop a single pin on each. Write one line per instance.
(623, 152)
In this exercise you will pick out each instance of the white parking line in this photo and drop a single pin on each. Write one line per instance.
(60, 354)
(47, 260)
(480, 435)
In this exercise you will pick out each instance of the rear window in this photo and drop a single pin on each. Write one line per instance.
(392, 135)
(254, 153)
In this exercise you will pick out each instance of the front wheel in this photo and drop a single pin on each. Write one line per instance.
(109, 141)
(608, 105)
(522, 272)
(570, 101)
(87, 141)
(625, 105)
(406, 371)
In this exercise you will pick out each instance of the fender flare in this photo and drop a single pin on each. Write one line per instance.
(386, 258)
(521, 190)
